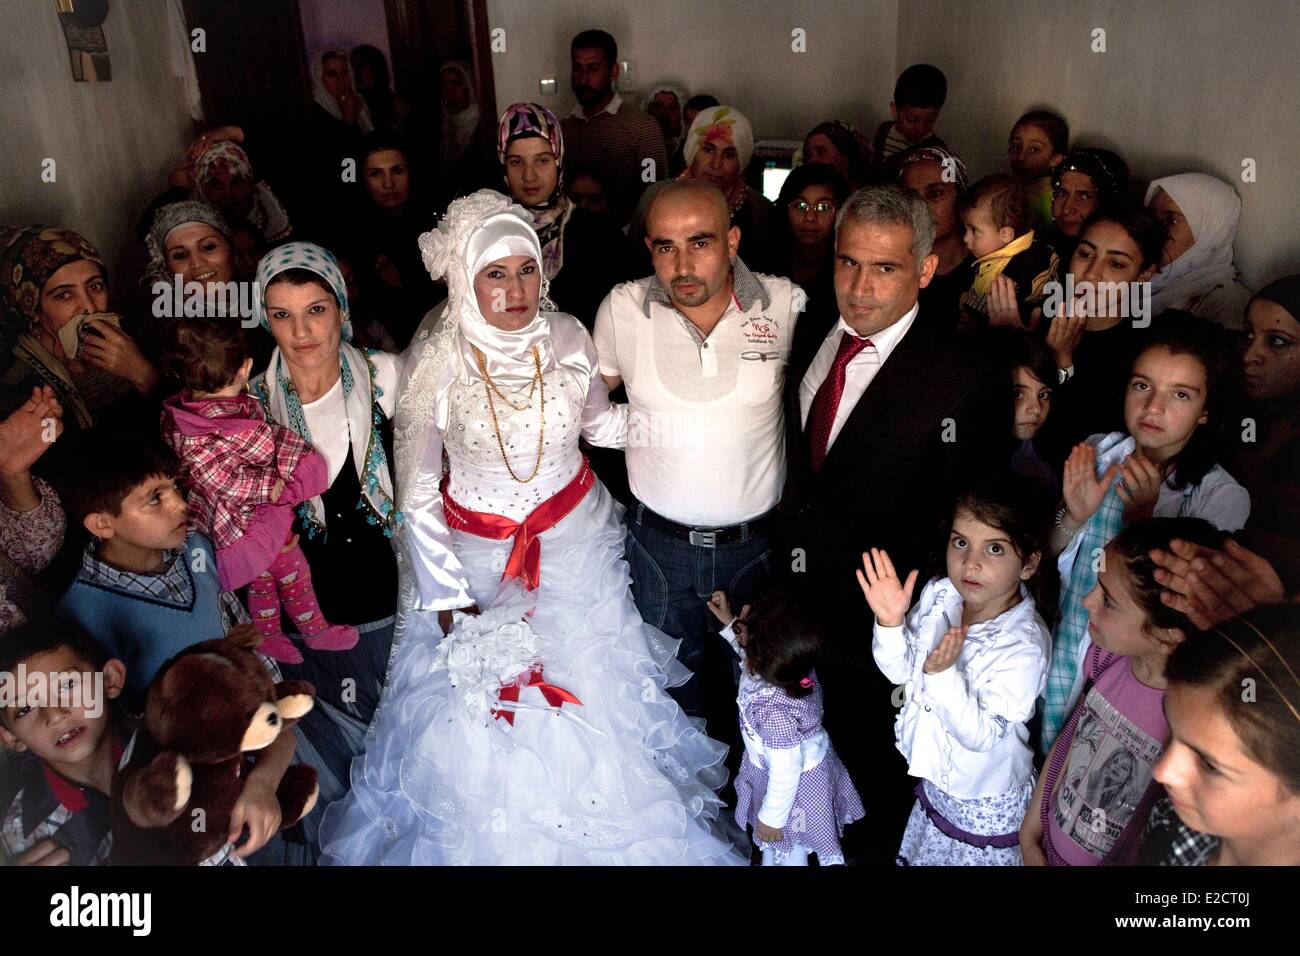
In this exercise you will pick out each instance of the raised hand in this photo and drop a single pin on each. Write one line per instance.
(1002, 307)
(27, 433)
(888, 597)
(944, 654)
(1082, 489)
(1211, 586)
(1140, 487)
(1063, 337)
(720, 606)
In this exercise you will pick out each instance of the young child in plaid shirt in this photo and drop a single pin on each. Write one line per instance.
(245, 475)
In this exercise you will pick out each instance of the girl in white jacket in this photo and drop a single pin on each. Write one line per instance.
(971, 658)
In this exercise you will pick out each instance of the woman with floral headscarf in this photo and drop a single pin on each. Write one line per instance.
(340, 399)
(1081, 183)
(530, 147)
(538, 730)
(223, 176)
(718, 149)
(58, 331)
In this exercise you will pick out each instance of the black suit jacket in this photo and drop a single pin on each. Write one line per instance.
(936, 417)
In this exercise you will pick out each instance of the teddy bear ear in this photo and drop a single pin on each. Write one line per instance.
(245, 636)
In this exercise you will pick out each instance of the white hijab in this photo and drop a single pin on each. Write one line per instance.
(1211, 208)
(458, 128)
(323, 97)
(476, 230)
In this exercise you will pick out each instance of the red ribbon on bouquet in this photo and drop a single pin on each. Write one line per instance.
(555, 696)
(526, 556)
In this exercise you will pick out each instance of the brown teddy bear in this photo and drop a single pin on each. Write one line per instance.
(207, 708)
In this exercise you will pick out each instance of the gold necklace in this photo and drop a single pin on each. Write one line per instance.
(537, 383)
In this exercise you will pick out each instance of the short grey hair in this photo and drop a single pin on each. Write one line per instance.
(893, 205)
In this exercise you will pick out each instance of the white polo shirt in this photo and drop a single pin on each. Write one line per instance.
(706, 442)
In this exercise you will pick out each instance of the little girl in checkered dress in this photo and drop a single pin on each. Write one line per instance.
(244, 476)
(971, 657)
(792, 788)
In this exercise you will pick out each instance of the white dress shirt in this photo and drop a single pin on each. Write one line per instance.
(862, 368)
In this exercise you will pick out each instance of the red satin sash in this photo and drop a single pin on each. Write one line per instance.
(526, 556)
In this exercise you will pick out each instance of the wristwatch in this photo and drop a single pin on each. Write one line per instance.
(1064, 374)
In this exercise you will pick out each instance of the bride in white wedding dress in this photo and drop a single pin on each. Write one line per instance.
(539, 730)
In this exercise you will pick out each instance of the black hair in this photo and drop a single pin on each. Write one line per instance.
(374, 58)
(1020, 348)
(377, 140)
(921, 85)
(1259, 649)
(299, 277)
(781, 644)
(41, 636)
(1218, 352)
(800, 178)
(1008, 201)
(596, 40)
(849, 144)
(1133, 547)
(106, 465)
(813, 174)
(1106, 169)
(1022, 511)
(576, 169)
(700, 102)
(1146, 231)
(1053, 126)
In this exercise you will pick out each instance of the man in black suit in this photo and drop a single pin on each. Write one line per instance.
(888, 421)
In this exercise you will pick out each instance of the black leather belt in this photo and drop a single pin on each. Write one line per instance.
(704, 537)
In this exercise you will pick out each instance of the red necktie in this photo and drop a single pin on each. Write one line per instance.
(821, 416)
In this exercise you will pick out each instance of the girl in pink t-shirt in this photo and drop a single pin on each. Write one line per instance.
(1096, 790)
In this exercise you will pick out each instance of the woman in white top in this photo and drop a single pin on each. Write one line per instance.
(538, 731)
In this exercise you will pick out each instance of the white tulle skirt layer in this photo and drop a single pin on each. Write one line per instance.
(632, 782)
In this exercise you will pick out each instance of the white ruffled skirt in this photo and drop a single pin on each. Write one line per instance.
(632, 781)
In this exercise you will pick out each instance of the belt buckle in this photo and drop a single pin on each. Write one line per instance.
(704, 539)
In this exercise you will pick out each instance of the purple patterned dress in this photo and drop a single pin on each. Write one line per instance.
(774, 724)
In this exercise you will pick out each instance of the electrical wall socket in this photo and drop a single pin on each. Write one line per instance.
(547, 85)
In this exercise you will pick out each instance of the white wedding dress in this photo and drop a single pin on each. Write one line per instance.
(622, 778)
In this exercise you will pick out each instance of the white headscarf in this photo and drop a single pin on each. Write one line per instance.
(476, 229)
(1211, 208)
(458, 128)
(323, 97)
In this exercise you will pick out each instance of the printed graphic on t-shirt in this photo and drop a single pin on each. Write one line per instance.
(1110, 764)
(761, 332)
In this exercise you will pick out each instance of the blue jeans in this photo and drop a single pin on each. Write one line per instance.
(671, 583)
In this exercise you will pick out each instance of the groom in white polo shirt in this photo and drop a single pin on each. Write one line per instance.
(701, 346)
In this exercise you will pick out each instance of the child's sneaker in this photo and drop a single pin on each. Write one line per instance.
(336, 637)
